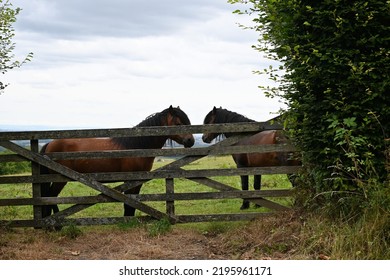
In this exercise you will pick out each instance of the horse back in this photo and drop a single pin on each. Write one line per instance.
(267, 137)
(97, 165)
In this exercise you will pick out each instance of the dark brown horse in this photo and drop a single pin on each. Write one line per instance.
(220, 115)
(168, 117)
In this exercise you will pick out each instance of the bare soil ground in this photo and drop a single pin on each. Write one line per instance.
(274, 237)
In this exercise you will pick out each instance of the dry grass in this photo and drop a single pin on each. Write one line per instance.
(277, 236)
(104, 243)
(272, 237)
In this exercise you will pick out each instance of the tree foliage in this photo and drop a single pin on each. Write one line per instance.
(7, 32)
(336, 83)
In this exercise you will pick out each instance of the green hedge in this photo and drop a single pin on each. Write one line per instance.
(336, 83)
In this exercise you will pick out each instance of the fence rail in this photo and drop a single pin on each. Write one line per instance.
(172, 171)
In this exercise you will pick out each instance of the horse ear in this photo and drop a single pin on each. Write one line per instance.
(171, 110)
(214, 109)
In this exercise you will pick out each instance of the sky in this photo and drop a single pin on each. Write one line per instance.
(110, 64)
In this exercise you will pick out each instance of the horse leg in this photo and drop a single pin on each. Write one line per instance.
(45, 192)
(244, 187)
(130, 211)
(257, 184)
(55, 190)
(51, 190)
(292, 178)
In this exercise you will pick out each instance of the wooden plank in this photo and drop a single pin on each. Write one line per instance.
(196, 173)
(176, 164)
(25, 179)
(116, 220)
(36, 187)
(171, 169)
(204, 151)
(269, 204)
(170, 202)
(75, 221)
(220, 217)
(128, 185)
(138, 131)
(140, 176)
(85, 179)
(214, 195)
(11, 158)
(230, 194)
(212, 184)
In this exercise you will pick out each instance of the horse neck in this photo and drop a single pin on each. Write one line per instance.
(144, 142)
(141, 142)
(231, 117)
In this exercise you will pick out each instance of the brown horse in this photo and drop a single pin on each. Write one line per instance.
(168, 117)
(220, 115)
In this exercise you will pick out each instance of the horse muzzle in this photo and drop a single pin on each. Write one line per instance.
(188, 142)
(206, 138)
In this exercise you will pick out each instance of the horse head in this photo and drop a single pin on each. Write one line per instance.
(210, 119)
(175, 117)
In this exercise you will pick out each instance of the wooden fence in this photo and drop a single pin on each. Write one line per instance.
(168, 172)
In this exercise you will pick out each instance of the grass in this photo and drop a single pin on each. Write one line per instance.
(287, 236)
(153, 186)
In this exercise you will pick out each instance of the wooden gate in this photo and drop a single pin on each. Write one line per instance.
(168, 172)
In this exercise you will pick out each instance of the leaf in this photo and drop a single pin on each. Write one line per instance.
(350, 122)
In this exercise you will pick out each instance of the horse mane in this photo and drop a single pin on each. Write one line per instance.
(226, 116)
(150, 141)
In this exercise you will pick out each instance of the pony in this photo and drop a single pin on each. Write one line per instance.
(219, 115)
(168, 117)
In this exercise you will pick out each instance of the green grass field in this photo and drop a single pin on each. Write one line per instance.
(152, 187)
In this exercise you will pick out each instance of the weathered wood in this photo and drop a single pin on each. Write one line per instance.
(212, 184)
(197, 173)
(220, 217)
(11, 158)
(269, 204)
(126, 186)
(116, 220)
(205, 151)
(82, 178)
(134, 179)
(138, 131)
(75, 221)
(170, 201)
(229, 194)
(36, 187)
(157, 174)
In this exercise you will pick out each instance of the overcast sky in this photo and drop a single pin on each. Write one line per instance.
(101, 64)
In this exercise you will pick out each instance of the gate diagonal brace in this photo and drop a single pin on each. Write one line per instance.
(133, 184)
(82, 178)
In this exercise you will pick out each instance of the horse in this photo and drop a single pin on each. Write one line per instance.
(168, 117)
(219, 115)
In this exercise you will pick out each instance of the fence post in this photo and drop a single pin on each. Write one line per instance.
(36, 187)
(170, 189)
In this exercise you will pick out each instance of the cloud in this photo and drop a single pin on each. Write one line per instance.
(112, 63)
(114, 18)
